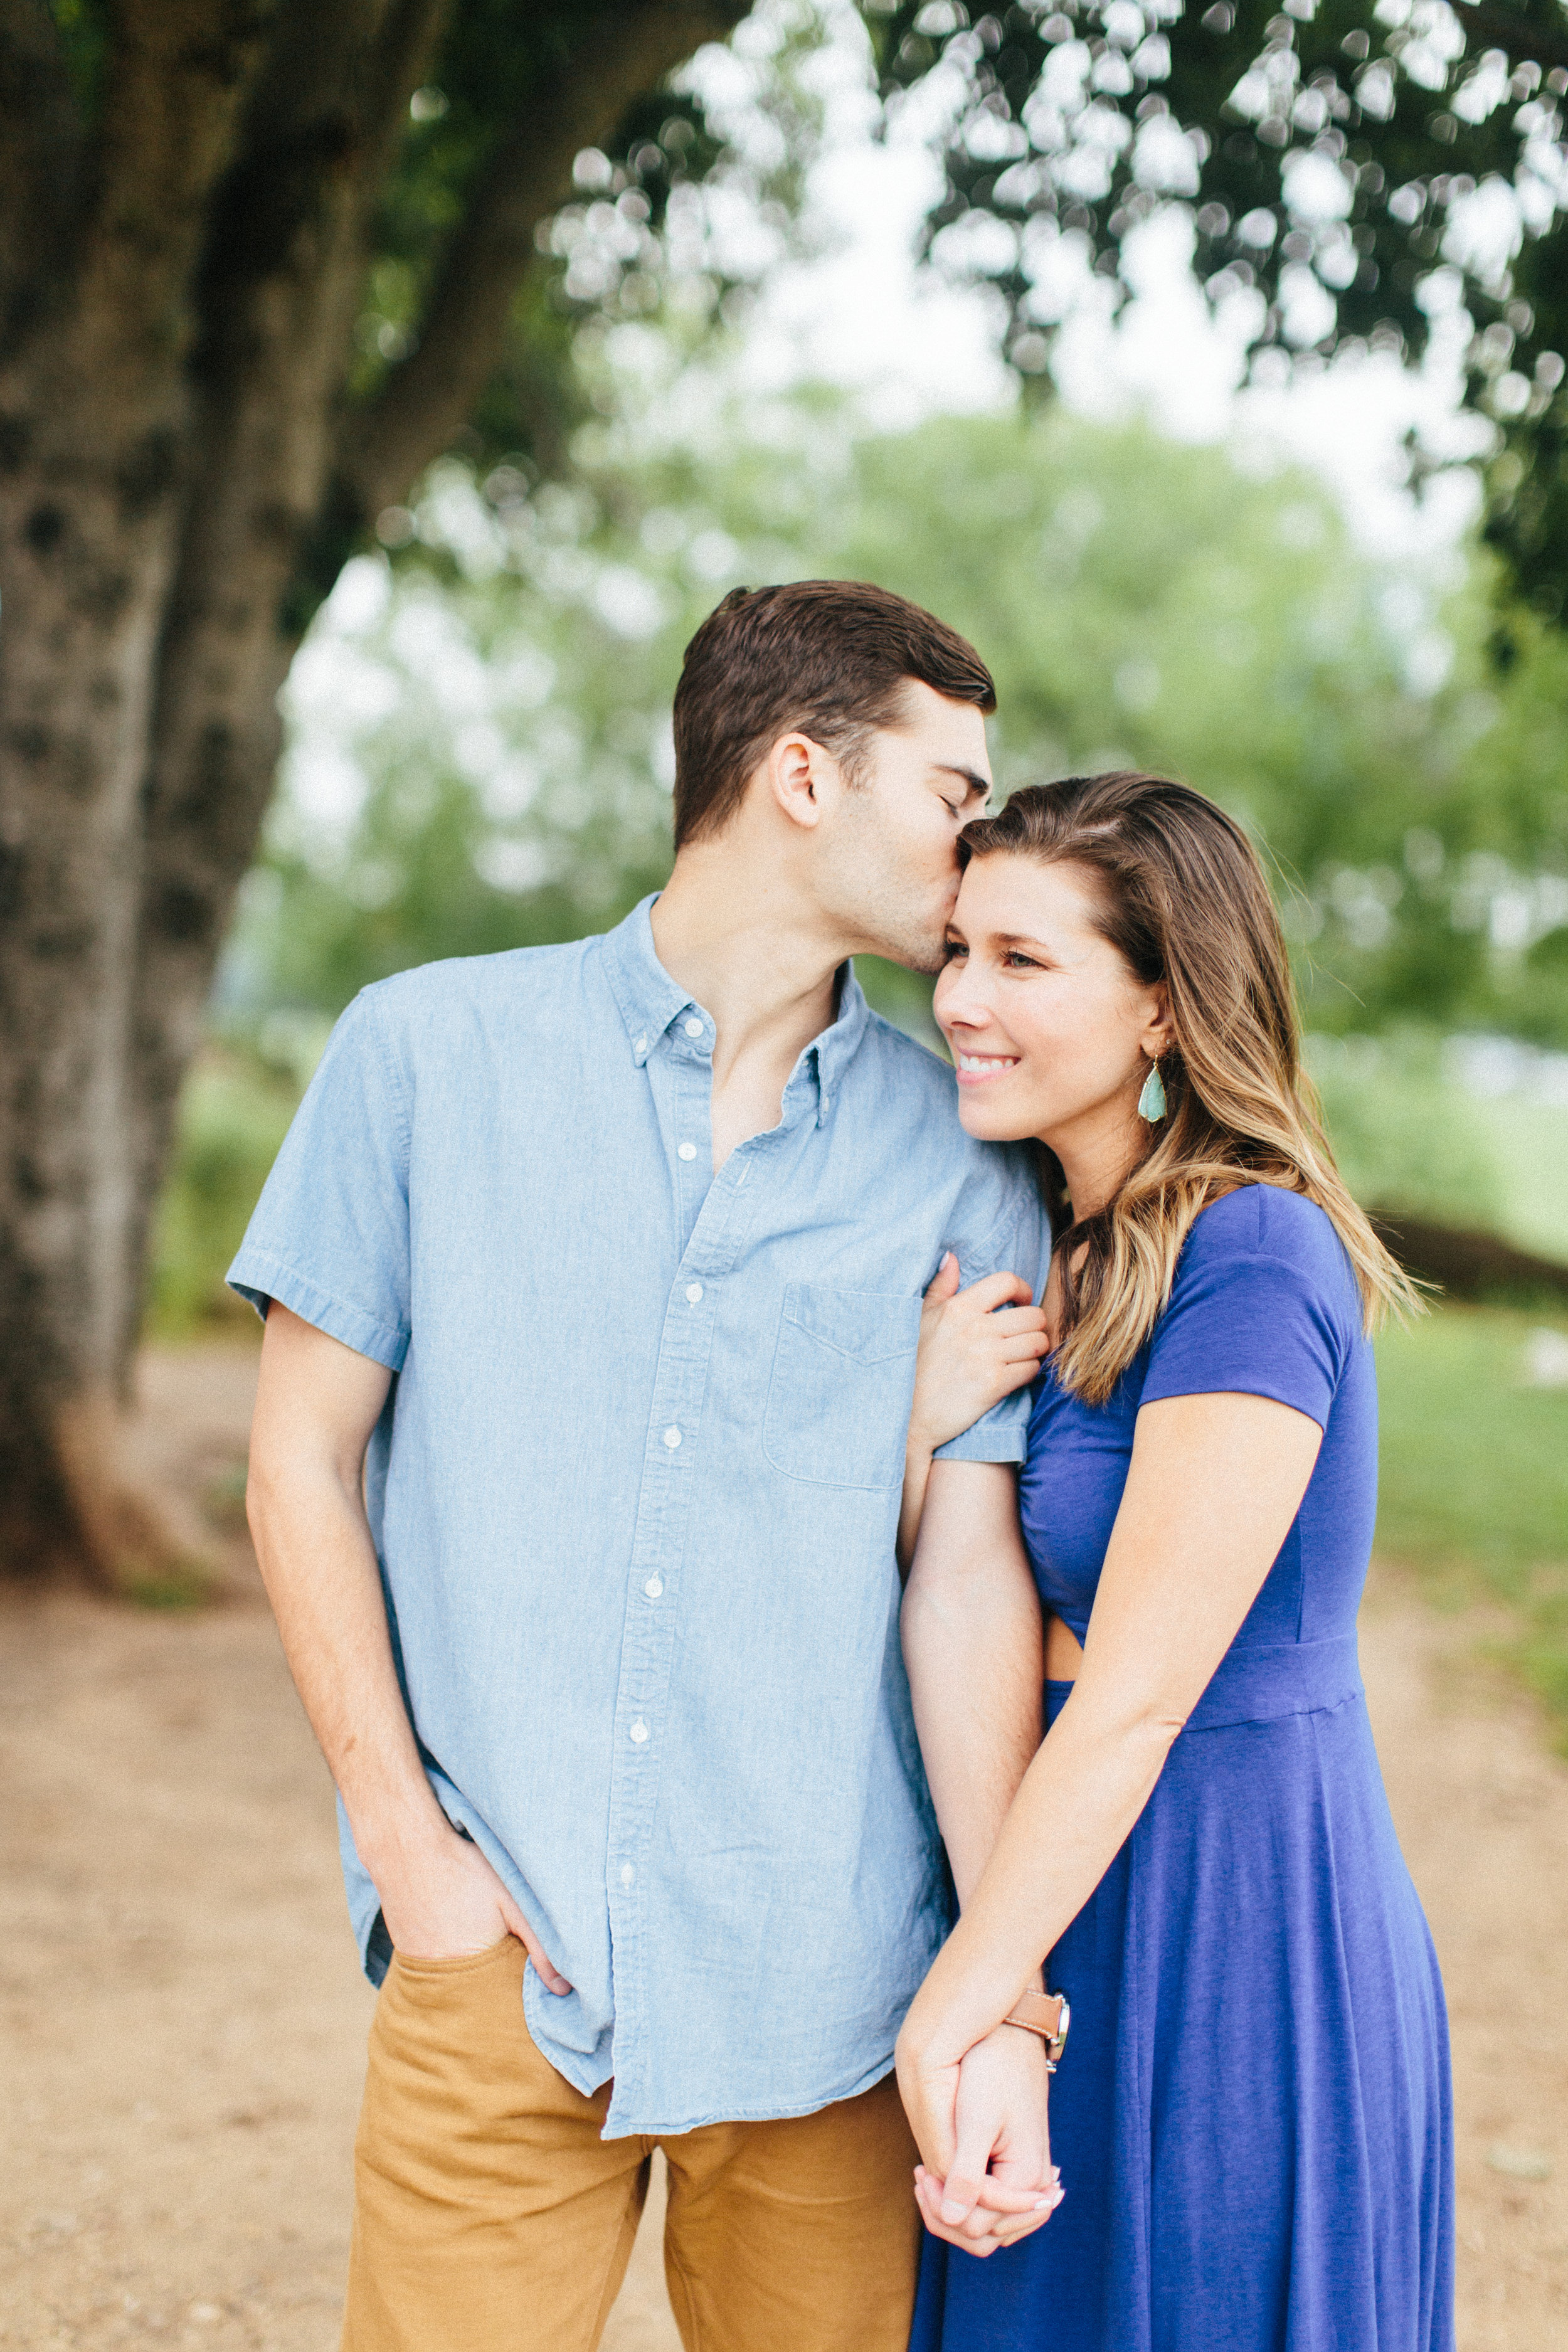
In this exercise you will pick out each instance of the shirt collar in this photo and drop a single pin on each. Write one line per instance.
(650, 1000)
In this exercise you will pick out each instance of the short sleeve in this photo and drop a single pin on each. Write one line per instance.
(330, 1234)
(1018, 1244)
(1271, 1323)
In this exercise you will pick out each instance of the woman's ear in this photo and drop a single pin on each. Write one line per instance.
(1159, 1030)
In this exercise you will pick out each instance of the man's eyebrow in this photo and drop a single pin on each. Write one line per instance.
(981, 784)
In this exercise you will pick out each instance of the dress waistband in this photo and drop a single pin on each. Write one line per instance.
(1264, 1682)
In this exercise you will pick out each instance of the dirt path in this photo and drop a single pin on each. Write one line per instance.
(181, 2018)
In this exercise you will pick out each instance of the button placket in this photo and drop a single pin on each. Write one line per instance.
(716, 1236)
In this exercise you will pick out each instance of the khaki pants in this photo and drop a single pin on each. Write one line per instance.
(490, 2216)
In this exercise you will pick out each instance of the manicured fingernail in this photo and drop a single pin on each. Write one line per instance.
(952, 2210)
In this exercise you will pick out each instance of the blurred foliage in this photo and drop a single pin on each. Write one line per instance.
(481, 752)
(644, 232)
(1352, 172)
(1474, 1479)
(678, 215)
(1403, 1138)
(234, 1114)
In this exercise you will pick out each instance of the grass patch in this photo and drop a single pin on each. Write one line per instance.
(1473, 1480)
(177, 1585)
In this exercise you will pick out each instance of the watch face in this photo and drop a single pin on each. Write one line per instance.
(1062, 2024)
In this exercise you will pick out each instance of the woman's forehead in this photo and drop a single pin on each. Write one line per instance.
(1021, 897)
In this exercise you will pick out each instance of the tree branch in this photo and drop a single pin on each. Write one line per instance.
(1520, 36)
(329, 107)
(173, 88)
(425, 404)
(40, 159)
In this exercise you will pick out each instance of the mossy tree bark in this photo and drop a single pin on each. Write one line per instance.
(183, 472)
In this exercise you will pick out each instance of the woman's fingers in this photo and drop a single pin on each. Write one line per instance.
(944, 1283)
(975, 2236)
(994, 2198)
(927, 2197)
(1020, 1322)
(994, 1290)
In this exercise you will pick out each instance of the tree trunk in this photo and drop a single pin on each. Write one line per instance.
(180, 481)
(93, 421)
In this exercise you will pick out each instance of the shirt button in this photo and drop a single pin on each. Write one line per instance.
(641, 1046)
(686, 1151)
(693, 1293)
(693, 1028)
(672, 1437)
(628, 1874)
(654, 1586)
(639, 1731)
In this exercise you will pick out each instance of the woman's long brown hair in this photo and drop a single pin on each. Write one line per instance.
(1183, 898)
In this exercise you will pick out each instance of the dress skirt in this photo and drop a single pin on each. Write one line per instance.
(1252, 2116)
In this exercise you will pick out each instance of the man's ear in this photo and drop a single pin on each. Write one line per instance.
(794, 772)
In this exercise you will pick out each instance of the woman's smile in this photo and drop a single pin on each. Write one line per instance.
(976, 1070)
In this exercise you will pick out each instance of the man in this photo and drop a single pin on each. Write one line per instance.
(595, 1276)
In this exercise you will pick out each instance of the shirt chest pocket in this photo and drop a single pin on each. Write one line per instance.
(843, 1381)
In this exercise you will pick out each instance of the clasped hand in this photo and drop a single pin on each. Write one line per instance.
(983, 2128)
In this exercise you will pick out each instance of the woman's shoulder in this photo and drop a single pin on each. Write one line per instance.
(1267, 1223)
(1264, 1302)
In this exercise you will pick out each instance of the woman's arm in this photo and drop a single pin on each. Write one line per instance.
(1213, 1485)
(973, 1646)
(975, 1348)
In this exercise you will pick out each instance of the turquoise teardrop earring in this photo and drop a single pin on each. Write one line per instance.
(1152, 1101)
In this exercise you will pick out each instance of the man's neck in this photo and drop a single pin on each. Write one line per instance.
(761, 962)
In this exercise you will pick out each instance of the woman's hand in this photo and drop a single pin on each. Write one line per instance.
(975, 1348)
(982, 2129)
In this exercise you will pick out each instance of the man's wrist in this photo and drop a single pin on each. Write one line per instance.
(399, 1834)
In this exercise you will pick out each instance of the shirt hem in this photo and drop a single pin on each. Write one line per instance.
(620, 2129)
(260, 1278)
(1010, 1446)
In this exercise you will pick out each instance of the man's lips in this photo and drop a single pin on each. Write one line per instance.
(981, 1070)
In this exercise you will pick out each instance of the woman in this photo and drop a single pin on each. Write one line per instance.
(1252, 2116)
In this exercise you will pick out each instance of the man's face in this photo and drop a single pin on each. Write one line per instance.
(889, 859)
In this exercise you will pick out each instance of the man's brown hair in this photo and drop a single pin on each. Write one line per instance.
(828, 657)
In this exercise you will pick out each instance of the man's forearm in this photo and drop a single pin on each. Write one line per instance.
(320, 1567)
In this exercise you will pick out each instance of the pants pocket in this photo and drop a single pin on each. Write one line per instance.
(441, 1965)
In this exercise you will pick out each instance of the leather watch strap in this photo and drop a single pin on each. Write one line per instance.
(1047, 2014)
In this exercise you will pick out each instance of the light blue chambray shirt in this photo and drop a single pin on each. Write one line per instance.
(635, 1489)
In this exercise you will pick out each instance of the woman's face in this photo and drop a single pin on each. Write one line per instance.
(1051, 1031)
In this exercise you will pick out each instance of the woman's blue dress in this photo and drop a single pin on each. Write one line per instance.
(1252, 2116)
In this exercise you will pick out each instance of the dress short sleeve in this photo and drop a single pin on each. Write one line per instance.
(330, 1234)
(1264, 1302)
